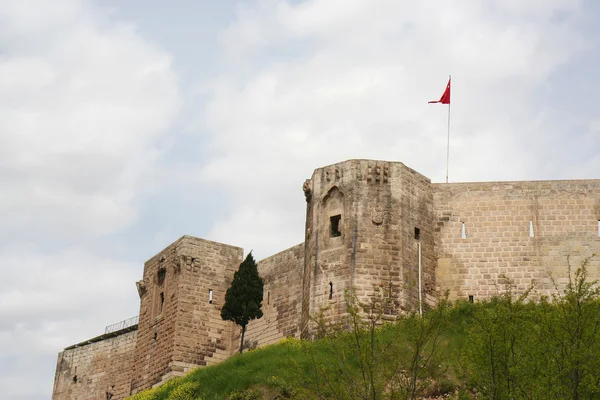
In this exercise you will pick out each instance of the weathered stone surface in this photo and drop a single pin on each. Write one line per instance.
(499, 218)
(180, 328)
(90, 371)
(365, 223)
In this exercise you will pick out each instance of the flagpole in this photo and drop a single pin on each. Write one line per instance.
(448, 142)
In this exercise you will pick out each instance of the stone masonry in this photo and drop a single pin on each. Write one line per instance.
(368, 223)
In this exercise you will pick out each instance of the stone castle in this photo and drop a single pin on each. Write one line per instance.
(368, 223)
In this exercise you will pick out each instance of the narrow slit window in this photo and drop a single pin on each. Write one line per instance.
(161, 275)
(599, 227)
(162, 302)
(471, 300)
(464, 231)
(330, 290)
(155, 336)
(268, 297)
(335, 225)
(531, 234)
(417, 234)
(210, 296)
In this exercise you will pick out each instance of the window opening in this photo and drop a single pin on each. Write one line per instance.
(464, 231)
(162, 273)
(470, 298)
(162, 301)
(155, 336)
(417, 234)
(599, 227)
(335, 225)
(268, 297)
(330, 290)
(210, 296)
(75, 379)
(531, 229)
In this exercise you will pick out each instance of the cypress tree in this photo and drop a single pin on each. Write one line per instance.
(243, 300)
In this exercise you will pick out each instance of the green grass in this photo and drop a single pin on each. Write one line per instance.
(265, 368)
(281, 368)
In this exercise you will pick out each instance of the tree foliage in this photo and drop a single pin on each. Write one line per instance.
(371, 357)
(243, 300)
(519, 349)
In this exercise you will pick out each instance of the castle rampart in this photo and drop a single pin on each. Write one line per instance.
(368, 224)
(97, 367)
(282, 302)
(522, 230)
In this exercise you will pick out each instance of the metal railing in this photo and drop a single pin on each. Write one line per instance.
(122, 325)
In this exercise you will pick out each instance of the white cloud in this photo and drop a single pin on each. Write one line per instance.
(48, 302)
(82, 104)
(319, 82)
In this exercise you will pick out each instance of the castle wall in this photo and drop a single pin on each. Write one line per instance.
(159, 298)
(202, 337)
(89, 371)
(282, 302)
(416, 214)
(497, 216)
(179, 329)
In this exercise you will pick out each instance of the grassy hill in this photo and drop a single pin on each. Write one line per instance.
(291, 368)
(503, 348)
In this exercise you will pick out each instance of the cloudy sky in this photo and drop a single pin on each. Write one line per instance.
(126, 124)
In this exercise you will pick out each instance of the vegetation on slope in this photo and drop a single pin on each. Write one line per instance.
(503, 348)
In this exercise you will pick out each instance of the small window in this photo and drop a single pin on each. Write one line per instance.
(268, 297)
(210, 296)
(155, 336)
(470, 298)
(75, 379)
(335, 225)
(417, 234)
(531, 229)
(599, 227)
(464, 231)
(162, 301)
(162, 273)
(330, 290)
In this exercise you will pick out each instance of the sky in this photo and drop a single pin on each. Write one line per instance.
(127, 124)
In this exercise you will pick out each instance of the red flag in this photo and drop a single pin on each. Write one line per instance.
(445, 99)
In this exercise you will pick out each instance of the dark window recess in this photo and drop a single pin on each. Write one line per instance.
(162, 273)
(210, 296)
(162, 301)
(330, 290)
(335, 225)
(470, 298)
(417, 234)
(268, 297)
(155, 335)
(75, 379)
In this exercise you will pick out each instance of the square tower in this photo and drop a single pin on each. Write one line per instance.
(181, 296)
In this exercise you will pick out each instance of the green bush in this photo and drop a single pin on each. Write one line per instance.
(249, 394)
(186, 391)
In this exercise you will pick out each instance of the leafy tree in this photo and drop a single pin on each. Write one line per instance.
(371, 358)
(502, 346)
(570, 335)
(545, 350)
(243, 300)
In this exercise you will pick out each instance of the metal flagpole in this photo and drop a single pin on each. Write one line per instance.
(448, 143)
